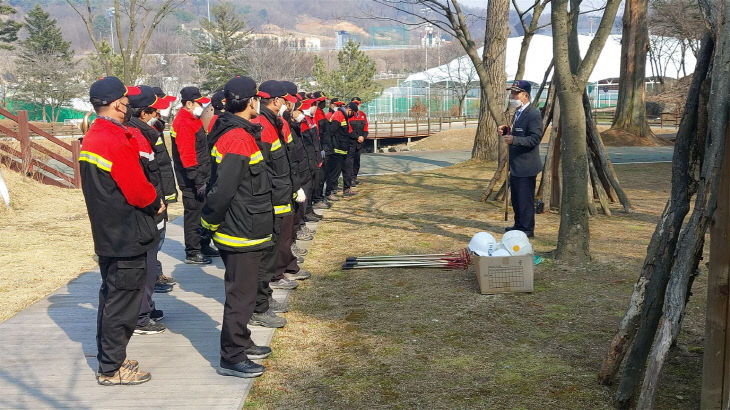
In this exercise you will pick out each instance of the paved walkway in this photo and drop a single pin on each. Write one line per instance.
(410, 161)
(48, 351)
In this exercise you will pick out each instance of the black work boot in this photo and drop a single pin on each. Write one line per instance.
(197, 258)
(258, 352)
(245, 369)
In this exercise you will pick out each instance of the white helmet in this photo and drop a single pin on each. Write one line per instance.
(482, 243)
(500, 252)
(516, 243)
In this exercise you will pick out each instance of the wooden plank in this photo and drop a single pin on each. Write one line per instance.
(716, 358)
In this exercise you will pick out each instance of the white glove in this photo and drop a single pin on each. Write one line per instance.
(301, 196)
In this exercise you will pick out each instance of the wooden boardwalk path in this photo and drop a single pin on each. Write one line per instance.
(48, 351)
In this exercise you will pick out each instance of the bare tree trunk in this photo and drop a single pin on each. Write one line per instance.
(493, 59)
(646, 300)
(692, 239)
(631, 108)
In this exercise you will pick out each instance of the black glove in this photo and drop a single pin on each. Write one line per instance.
(201, 192)
(205, 234)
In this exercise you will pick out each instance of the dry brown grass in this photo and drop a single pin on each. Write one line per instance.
(426, 338)
(45, 239)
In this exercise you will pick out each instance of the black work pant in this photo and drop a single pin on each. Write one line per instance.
(154, 270)
(356, 161)
(267, 269)
(522, 190)
(320, 179)
(240, 283)
(286, 261)
(348, 167)
(191, 221)
(335, 166)
(300, 209)
(120, 296)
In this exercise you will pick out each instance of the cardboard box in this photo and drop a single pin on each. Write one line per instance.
(505, 274)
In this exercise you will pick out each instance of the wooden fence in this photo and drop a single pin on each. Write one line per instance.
(25, 162)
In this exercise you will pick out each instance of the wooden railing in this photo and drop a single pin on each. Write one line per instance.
(421, 127)
(26, 163)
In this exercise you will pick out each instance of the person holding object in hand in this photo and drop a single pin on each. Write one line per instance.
(523, 139)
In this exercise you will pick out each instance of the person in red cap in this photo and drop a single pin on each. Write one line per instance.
(143, 107)
(339, 135)
(121, 204)
(239, 213)
(192, 169)
(359, 128)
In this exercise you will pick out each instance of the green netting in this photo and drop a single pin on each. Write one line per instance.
(35, 112)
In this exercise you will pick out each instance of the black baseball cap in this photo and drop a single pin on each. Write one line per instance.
(106, 90)
(336, 101)
(273, 88)
(217, 100)
(146, 98)
(353, 106)
(193, 94)
(240, 88)
(163, 96)
(521, 85)
(302, 95)
(356, 100)
(319, 96)
(291, 91)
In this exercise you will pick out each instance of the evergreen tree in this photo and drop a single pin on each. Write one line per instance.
(220, 49)
(8, 28)
(352, 78)
(45, 66)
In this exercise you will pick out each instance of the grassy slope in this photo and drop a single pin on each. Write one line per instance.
(426, 338)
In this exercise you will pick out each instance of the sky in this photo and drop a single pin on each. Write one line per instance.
(586, 5)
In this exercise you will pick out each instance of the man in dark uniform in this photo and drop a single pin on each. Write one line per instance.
(192, 169)
(524, 155)
(339, 137)
(240, 214)
(359, 127)
(121, 204)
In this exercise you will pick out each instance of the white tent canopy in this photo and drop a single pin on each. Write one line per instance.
(540, 54)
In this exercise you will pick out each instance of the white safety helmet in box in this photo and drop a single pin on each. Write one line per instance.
(500, 252)
(516, 243)
(482, 243)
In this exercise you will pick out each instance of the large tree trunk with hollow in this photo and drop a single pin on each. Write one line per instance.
(630, 114)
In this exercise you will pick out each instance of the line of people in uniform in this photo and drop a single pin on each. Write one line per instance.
(249, 181)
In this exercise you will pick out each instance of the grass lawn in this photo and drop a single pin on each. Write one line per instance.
(424, 338)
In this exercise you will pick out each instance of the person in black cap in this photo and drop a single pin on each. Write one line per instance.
(523, 139)
(121, 205)
(339, 137)
(239, 213)
(192, 169)
(359, 127)
(143, 107)
(216, 101)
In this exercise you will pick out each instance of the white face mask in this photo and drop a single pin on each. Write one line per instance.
(165, 112)
(312, 111)
(282, 110)
(258, 107)
(515, 103)
(152, 121)
(197, 111)
(299, 118)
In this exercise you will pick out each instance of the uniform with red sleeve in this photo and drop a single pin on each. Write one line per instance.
(358, 128)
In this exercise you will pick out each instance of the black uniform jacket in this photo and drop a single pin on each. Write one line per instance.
(167, 185)
(190, 152)
(238, 207)
(312, 146)
(121, 202)
(524, 152)
(298, 153)
(339, 131)
(276, 158)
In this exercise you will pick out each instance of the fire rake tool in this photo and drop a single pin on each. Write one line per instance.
(452, 260)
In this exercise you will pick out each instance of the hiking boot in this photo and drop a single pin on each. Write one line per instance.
(166, 280)
(197, 258)
(130, 364)
(349, 192)
(267, 319)
(355, 182)
(297, 251)
(157, 315)
(258, 352)
(322, 205)
(150, 328)
(301, 275)
(127, 374)
(245, 369)
(312, 217)
(300, 259)
(307, 229)
(304, 236)
(284, 283)
(278, 307)
(210, 251)
(163, 288)
(332, 198)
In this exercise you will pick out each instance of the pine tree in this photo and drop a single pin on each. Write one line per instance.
(352, 78)
(220, 49)
(45, 66)
(8, 28)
